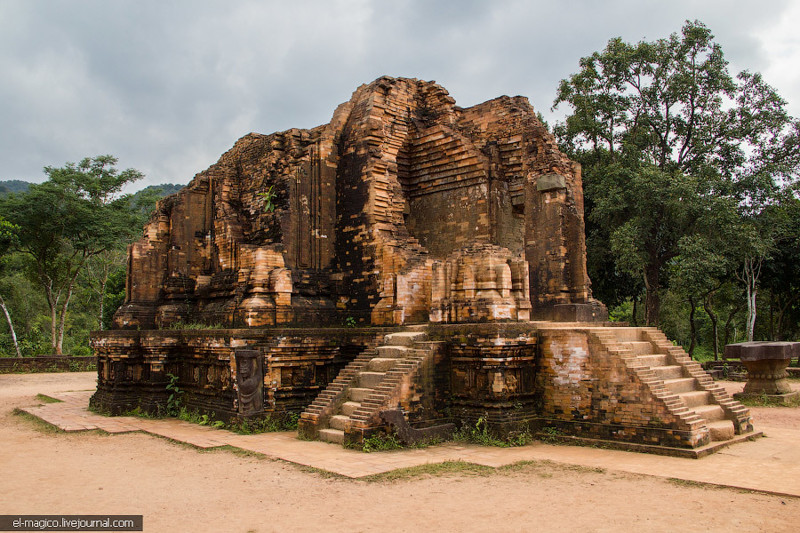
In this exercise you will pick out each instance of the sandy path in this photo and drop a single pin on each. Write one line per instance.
(178, 488)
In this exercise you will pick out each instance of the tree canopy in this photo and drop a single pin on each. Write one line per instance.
(673, 146)
(77, 214)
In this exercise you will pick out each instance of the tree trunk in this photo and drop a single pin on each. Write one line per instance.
(729, 321)
(102, 301)
(782, 315)
(10, 326)
(62, 319)
(55, 345)
(652, 305)
(692, 327)
(750, 274)
(751, 313)
(771, 315)
(708, 307)
(635, 310)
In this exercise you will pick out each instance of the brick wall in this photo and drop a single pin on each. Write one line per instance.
(133, 366)
(588, 391)
(47, 363)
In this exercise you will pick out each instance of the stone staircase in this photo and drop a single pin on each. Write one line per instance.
(680, 382)
(374, 381)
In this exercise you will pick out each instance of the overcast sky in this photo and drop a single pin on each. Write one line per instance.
(168, 86)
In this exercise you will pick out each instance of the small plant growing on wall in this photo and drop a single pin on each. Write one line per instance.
(269, 199)
(174, 401)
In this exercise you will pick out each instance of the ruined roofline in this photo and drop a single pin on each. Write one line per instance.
(319, 130)
(347, 218)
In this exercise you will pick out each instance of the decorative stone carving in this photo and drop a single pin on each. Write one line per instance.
(249, 382)
(478, 284)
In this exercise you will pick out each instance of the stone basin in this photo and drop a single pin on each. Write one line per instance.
(766, 364)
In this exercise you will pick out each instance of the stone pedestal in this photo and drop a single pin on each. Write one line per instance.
(766, 364)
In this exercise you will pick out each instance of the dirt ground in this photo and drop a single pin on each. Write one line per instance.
(178, 488)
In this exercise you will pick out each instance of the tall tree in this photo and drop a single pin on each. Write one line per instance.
(98, 272)
(781, 275)
(75, 215)
(7, 237)
(661, 128)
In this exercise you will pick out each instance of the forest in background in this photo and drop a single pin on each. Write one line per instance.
(692, 208)
(99, 284)
(690, 176)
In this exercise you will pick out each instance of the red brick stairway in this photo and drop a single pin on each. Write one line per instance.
(680, 382)
(374, 381)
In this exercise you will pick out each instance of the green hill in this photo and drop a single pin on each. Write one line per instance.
(9, 186)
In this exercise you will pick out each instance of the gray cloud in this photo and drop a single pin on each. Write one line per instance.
(168, 86)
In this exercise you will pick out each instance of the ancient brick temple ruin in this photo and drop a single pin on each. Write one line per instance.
(409, 257)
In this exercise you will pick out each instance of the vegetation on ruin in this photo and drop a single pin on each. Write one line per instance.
(267, 424)
(175, 398)
(269, 199)
(479, 433)
(691, 194)
(381, 442)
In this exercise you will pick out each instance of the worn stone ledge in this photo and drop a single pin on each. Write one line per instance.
(47, 363)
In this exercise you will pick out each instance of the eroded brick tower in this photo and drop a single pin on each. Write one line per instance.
(403, 209)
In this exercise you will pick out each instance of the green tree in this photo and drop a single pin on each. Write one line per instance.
(661, 129)
(7, 238)
(75, 215)
(781, 275)
(99, 269)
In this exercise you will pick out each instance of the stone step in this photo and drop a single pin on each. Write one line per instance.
(710, 412)
(680, 385)
(627, 334)
(348, 408)
(393, 352)
(382, 364)
(358, 394)
(653, 360)
(370, 380)
(338, 422)
(404, 338)
(668, 372)
(721, 430)
(332, 435)
(639, 347)
(695, 398)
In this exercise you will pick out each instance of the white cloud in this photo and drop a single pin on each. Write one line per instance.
(169, 86)
(781, 45)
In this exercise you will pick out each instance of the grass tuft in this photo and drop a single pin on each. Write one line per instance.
(47, 399)
(765, 401)
(480, 434)
(37, 422)
(433, 469)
